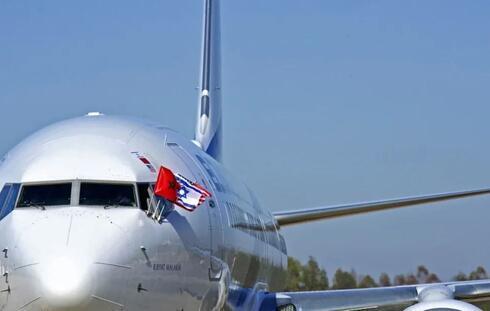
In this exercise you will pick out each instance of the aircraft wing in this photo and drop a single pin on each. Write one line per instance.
(287, 218)
(453, 296)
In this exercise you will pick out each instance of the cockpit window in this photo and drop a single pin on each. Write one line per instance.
(45, 195)
(144, 195)
(107, 195)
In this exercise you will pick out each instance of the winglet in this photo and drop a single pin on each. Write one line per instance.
(209, 124)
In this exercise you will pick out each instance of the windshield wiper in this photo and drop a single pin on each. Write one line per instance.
(115, 204)
(36, 205)
(111, 205)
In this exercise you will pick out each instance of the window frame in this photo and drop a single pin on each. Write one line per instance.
(142, 203)
(75, 191)
(107, 182)
(41, 183)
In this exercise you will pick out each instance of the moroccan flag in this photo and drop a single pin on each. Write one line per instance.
(180, 190)
(167, 186)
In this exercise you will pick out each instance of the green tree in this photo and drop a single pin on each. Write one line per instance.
(311, 276)
(432, 278)
(343, 280)
(384, 280)
(399, 280)
(422, 274)
(460, 277)
(366, 282)
(410, 279)
(314, 277)
(479, 274)
(324, 280)
(295, 281)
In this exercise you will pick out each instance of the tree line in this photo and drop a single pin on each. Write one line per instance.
(310, 276)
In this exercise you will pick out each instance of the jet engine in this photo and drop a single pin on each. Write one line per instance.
(440, 298)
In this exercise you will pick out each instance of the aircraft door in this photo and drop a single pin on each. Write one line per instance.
(211, 206)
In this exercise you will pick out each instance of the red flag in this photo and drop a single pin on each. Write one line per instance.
(167, 186)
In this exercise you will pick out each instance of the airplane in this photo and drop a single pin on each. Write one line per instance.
(80, 227)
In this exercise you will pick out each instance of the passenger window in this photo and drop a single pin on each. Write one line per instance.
(45, 195)
(107, 194)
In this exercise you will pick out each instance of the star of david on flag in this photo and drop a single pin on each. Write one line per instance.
(180, 190)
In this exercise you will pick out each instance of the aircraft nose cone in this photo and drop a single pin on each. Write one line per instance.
(66, 283)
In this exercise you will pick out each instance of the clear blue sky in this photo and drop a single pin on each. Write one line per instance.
(325, 102)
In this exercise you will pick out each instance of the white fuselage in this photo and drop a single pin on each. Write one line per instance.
(80, 257)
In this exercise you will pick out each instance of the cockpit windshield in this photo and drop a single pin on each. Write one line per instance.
(45, 195)
(107, 195)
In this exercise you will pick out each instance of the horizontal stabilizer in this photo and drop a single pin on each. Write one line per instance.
(299, 216)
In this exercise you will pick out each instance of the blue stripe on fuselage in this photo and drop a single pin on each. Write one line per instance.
(8, 195)
(215, 145)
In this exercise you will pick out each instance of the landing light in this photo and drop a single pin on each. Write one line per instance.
(94, 114)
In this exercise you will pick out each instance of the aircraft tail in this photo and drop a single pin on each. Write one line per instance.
(209, 124)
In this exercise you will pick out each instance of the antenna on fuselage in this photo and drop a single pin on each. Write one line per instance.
(209, 125)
